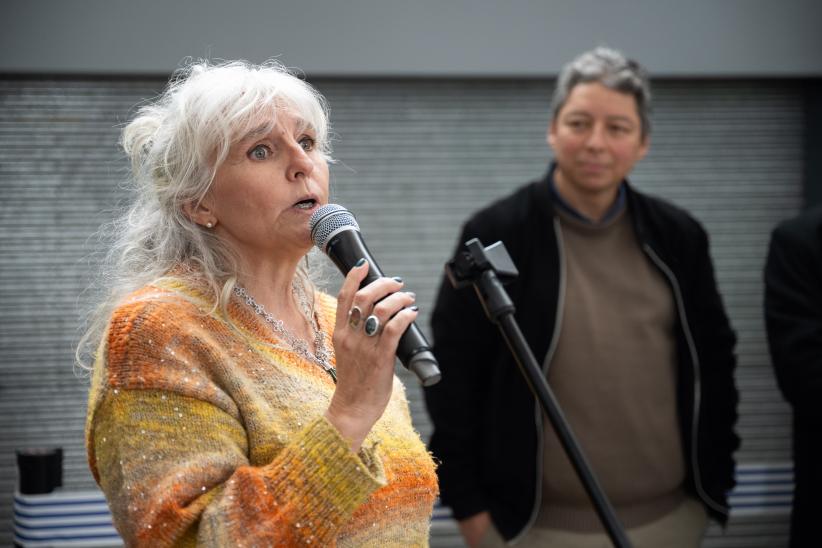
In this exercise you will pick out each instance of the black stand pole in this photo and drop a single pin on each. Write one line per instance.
(479, 267)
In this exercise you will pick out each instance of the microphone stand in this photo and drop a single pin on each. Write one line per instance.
(480, 267)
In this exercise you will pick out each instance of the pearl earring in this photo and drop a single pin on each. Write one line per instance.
(209, 224)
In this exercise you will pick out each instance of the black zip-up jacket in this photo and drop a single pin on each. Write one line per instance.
(488, 426)
(793, 317)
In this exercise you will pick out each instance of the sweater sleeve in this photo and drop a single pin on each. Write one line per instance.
(174, 462)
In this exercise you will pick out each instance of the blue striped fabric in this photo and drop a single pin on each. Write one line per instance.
(82, 518)
(70, 518)
(760, 489)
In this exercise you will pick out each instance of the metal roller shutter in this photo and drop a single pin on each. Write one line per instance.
(415, 158)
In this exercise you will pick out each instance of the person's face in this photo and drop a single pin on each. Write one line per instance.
(597, 138)
(265, 191)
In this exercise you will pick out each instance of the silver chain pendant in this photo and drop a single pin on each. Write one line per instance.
(320, 356)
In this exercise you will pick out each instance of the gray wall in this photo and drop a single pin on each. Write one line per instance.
(412, 37)
(813, 143)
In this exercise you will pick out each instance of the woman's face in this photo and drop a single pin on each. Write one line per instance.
(265, 191)
(597, 138)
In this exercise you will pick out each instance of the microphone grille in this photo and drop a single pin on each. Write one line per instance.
(327, 220)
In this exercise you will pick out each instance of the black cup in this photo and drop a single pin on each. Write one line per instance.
(40, 469)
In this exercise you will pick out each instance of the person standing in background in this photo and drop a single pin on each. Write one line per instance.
(793, 318)
(616, 297)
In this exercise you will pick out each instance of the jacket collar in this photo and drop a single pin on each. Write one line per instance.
(563, 205)
(549, 202)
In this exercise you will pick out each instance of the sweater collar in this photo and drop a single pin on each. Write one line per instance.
(562, 204)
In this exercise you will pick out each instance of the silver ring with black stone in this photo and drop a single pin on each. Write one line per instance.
(372, 326)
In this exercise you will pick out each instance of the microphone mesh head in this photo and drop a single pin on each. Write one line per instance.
(327, 220)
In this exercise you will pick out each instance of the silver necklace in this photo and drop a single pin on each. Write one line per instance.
(321, 356)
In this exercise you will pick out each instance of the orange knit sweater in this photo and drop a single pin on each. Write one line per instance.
(201, 430)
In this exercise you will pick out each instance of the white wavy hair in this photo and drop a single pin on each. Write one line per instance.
(175, 143)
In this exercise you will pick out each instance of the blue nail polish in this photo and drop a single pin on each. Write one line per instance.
(397, 279)
(360, 262)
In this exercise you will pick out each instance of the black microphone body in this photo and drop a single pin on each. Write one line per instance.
(343, 244)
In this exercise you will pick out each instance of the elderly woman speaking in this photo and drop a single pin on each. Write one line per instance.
(232, 403)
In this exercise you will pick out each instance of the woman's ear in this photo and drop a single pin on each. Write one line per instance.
(551, 134)
(200, 213)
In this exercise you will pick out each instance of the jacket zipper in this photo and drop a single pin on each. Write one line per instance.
(680, 305)
(546, 362)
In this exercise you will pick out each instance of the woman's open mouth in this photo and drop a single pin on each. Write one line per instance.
(308, 203)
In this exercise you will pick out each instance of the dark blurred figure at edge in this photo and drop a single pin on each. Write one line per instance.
(793, 317)
(617, 298)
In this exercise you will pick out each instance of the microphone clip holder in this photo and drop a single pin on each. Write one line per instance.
(487, 269)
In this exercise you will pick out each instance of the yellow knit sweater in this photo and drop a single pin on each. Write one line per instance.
(201, 430)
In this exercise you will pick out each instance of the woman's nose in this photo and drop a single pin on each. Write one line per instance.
(301, 164)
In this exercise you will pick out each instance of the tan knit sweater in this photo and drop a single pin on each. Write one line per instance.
(614, 375)
(203, 431)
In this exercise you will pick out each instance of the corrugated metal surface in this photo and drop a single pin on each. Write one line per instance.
(59, 168)
(416, 157)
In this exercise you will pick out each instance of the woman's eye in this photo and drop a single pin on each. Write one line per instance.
(307, 143)
(260, 152)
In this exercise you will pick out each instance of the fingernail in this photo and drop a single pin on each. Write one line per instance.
(397, 279)
(411, 294)
(415, 308)
(359, 263)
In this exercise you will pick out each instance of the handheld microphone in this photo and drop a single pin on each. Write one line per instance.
(335, 231)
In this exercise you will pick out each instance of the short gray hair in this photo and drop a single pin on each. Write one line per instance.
(614, 71)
